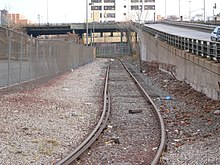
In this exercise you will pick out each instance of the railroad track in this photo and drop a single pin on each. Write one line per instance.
(130, 133)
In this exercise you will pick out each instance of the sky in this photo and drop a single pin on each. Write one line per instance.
(69, 11)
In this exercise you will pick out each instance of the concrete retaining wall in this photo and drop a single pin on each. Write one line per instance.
(201, 73)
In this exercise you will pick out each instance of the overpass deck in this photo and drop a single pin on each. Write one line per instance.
(181, 31)
(78, 28)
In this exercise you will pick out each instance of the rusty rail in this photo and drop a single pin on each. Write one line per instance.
(97, 130)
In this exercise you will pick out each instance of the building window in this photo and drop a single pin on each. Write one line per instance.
(96, 1)
(96, 7)
(124, 14)
(134, 7)
(125, 6)
(110, 15)
(136, 1)
(100, 15)
(109, 1)
(109, 7)
(149, 0)
(149, 7)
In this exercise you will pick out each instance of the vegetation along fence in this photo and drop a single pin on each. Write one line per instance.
(24, 58)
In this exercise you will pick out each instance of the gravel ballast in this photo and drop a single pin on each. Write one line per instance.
(42, 125)
(192, 120)
(133, 133)
(38, 126)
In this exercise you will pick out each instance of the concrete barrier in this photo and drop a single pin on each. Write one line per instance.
(201, 73)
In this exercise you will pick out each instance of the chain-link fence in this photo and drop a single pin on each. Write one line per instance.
(112, 49)
(23, 58)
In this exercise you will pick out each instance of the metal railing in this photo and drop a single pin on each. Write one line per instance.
(208, 49)
(24, 58)
(192, 25)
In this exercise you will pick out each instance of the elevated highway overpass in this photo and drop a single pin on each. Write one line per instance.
(78, 28)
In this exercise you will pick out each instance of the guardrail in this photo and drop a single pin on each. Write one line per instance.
(207, 49)
(191, 25)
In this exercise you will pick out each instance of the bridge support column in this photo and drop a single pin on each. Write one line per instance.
(136, 38)
(91, 42)
(112, 34)
(121, 36)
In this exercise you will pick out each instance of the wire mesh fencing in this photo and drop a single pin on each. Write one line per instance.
(112, 50)
(24, 58)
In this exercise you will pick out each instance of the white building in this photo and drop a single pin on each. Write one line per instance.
(122, 10)
(3, 17)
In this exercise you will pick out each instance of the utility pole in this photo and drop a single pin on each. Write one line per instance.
(38, 16)
(214, 7)
(165, 9)
(93, 21)
(179, 9)
(204, 11)
(93, 26)
(87, 26)
(47, 13)
(189, 10)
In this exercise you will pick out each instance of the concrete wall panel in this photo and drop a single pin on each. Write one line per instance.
(201, 73)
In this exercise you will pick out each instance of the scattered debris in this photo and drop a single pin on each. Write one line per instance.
(133, 111)
(113, 140)
(109, 126)
(88, 103)
(155, 148)
(217, 112)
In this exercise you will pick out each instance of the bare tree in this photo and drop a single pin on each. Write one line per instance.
(133, 32)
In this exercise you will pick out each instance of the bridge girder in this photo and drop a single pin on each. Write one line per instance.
(78, 28)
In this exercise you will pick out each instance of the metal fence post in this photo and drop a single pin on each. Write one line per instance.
(49, 62)
(9, 56)
(29, 59)
(184, 43)
(196, 47)
(21, 52)
(218, 52)
(37, 54)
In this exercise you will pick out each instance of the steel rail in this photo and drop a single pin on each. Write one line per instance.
(162, 126)
(69, 159)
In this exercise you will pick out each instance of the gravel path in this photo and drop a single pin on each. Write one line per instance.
(42, 125)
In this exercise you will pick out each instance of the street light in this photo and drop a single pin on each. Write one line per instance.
(204, 10)
(38, 16)
(189, 10)
(47, 13)
(93, 28)
(87, 26)
(179, 9)
(214, 7)
(165, 8)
